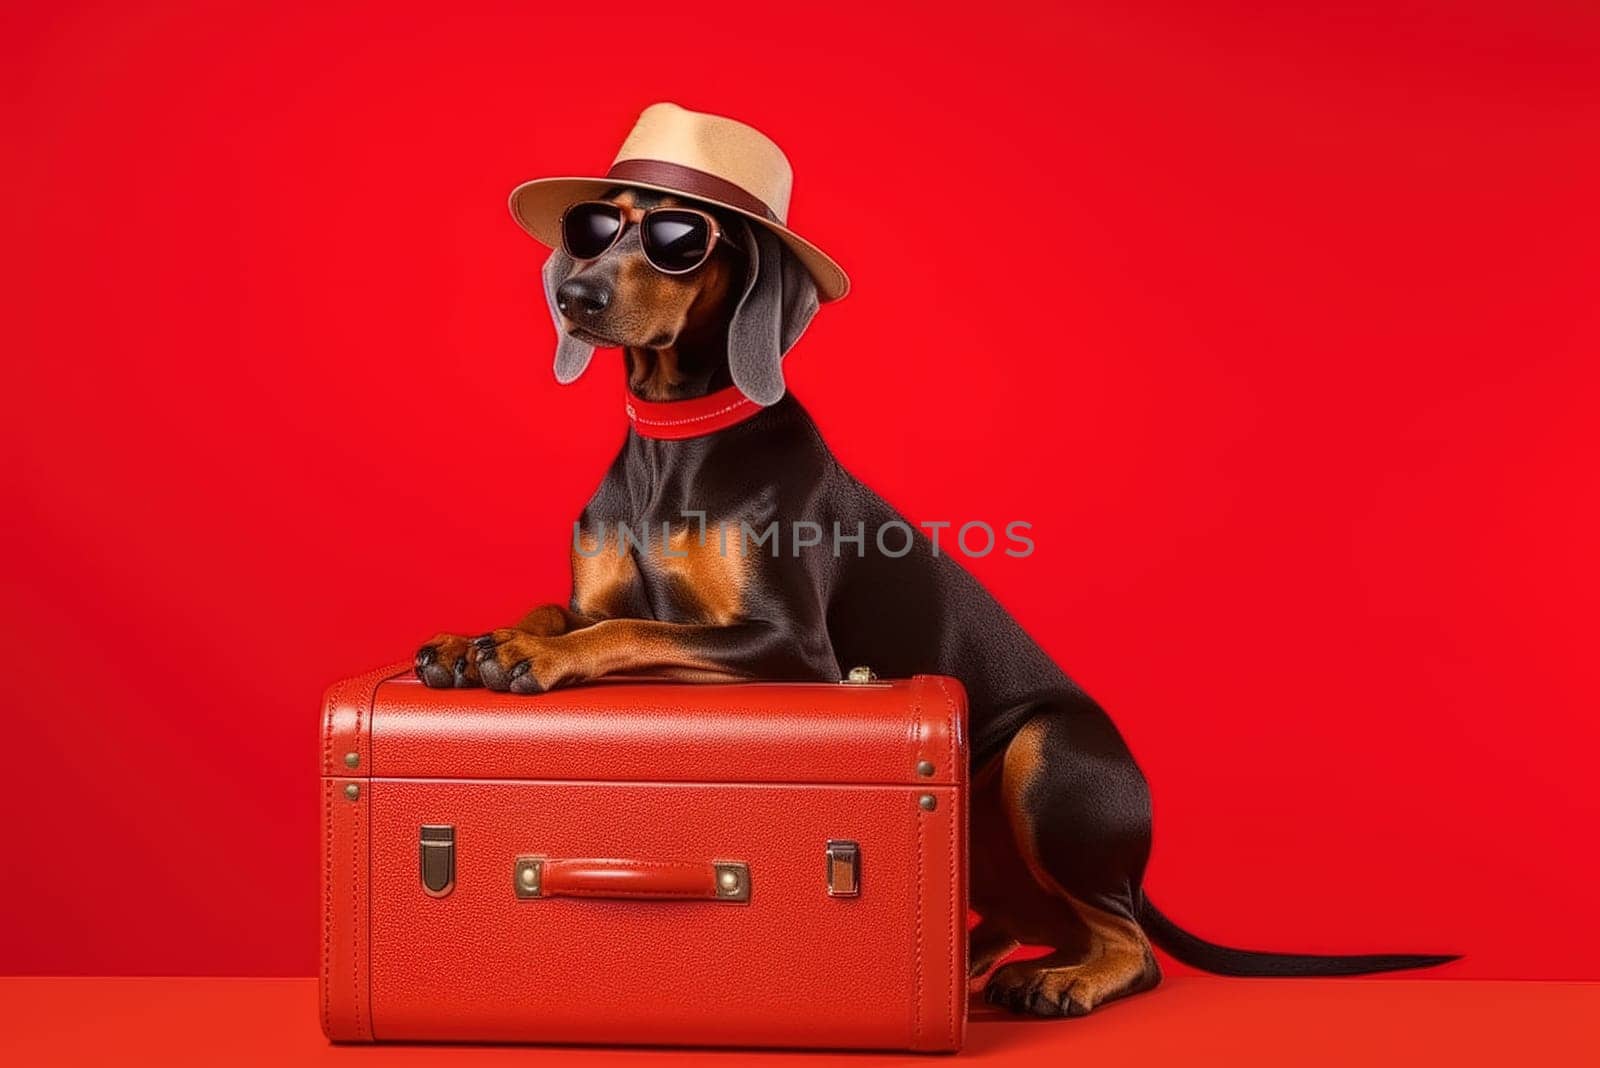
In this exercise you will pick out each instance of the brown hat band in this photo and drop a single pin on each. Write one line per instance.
(693, 182)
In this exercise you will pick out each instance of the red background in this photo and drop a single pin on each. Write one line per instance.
(1278, 325)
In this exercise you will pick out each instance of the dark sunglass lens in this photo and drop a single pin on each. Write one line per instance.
(676, 240)
(588, 229)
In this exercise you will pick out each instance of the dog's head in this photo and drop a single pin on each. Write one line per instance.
(751, 290)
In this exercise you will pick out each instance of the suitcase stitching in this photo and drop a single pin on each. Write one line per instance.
(355, 882)
(613, 863)
(955, 979)
(355, 922)
(916, 817)
(632, 863)
(955, 896)
(327, 898)
(630, 893)
(337, 695)
(327, 857)
(955, 947)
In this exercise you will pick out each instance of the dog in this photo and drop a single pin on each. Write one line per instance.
(1061, 819)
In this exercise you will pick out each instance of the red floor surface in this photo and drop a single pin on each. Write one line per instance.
(1187, 1021)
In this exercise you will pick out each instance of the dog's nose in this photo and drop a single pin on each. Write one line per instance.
(581, 298)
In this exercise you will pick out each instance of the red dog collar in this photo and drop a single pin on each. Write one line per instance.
(676, 420)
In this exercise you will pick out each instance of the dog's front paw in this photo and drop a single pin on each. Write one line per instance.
(446, 662)
(515, 661)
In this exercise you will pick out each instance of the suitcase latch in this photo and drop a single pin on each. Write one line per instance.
(844, 868)
(436, 858)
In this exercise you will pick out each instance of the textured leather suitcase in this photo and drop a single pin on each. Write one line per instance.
(763, 864)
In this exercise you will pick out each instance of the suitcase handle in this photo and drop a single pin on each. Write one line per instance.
(536, 877)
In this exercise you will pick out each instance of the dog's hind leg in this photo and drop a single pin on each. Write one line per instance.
(1078, 811)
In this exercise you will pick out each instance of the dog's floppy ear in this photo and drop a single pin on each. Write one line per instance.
(778, 302)
(572, 355)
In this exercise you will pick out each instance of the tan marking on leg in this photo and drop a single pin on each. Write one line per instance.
(1072, 981)
(602, 573)
(1117, 962)
(546, 621)
(710, 572)
(613, 647)
(1020, 768)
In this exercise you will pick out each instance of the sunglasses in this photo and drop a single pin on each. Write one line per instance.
(675, 240)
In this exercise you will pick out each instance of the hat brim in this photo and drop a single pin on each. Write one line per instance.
(537, 207)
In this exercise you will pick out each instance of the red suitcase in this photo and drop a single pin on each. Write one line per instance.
(760, 864)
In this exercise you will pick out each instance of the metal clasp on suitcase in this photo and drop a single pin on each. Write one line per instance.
(436, 858)
(861, 676)
(844, 868)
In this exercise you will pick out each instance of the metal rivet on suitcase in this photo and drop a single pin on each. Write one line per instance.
(924, 768)
(928, 802)
(733, 881)
(527, 877)
(352, 760)
(352, 791)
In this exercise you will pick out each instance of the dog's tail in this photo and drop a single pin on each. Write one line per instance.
(1224, 960)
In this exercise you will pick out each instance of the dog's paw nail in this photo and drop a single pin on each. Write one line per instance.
(460, 669)
(484, 641)
(481, 654)
(522, 667)
(426, 655)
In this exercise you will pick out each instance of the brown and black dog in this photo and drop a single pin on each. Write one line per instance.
(1061, 814)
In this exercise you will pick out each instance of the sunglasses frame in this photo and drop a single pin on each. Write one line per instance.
(636, 217)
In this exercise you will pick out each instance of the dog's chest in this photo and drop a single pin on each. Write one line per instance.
(682, 572)
(697, 575)
(675, 532)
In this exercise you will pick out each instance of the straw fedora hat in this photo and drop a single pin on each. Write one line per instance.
(712, 159)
